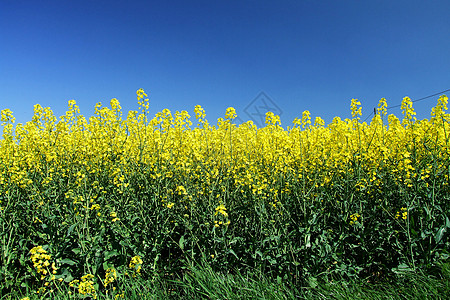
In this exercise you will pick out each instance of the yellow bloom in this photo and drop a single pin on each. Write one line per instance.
(230, 113)
(306, 119)
(136, 263)
(222, 210)
(86, 286)
(407, 110)
(354, 107)
(354, 218)
(110, 276)
(7, 116)
(403, 213)
(74, 282)
(140, 94)
(382, 107)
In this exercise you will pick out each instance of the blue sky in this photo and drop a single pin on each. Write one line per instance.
(302, 55)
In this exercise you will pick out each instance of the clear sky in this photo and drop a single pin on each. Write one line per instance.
(302, 55)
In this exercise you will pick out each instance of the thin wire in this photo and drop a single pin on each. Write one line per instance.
(368, 116)
(395, 106)
(440, 93)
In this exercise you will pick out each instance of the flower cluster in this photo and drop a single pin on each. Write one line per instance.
(41, 261)
(135, 265)
(403, 213)
(85, 287)
(110, 276)
(407, 110)
(222, 211)
(230, 113)
(356, 111)
(44, 267)
(114, 217)
(382, 107)
(354, 218)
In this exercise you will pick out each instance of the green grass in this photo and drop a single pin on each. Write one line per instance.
(202, 282)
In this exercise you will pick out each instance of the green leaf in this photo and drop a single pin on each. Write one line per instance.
(402, 269)
(71, 228)
(312, 282)
(181, 242)
(440, 234)
(68, 278)
(67, 261)
(232, 252)
(76, 250)
(109, 254)
(308, 241)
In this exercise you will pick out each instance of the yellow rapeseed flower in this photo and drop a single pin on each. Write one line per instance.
(110, 276)
(222, 210)
(403, 213)
(354, 218)
(136, 264)
(356, 111)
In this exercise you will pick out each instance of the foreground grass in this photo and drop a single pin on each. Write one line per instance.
(204, 283)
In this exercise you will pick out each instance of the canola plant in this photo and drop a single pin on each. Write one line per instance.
(114, 196)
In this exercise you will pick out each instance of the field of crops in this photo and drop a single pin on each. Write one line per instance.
(87, 205)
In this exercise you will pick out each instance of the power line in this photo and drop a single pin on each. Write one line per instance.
(395, 106)
(440, 93)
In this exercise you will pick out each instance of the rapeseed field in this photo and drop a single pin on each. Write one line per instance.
(88, 205)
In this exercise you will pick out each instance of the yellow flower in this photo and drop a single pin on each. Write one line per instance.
(7, 116)
(86, 286)
(140, 94)
(199, 112)
(306, 119)
(382, 107)
(114, 217)
(222, 210)
(230, 113)
(41, 261)
(135, 263)
(74, 282)
(407, 110)
(403, 213)
(354, 107)
(272, 119)
(354, 218)
(110, 276)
